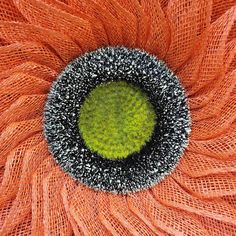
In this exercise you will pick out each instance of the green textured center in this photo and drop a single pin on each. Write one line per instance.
(116, 119)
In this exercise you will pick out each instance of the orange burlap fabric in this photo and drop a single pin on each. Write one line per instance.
(197, 39)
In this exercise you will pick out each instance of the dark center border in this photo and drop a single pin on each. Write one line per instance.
(139, 170)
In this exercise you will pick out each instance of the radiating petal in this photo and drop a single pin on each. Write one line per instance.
(185, 18)
(13, 168)
(14, 32)
(128, 21)
(18, 84)
(54, 215)
(25, 108)
(4, 211)
(112, 25)
(66, 193)
(220, 104)
(231, 199)
(159, 33)
(142, 17)
(37, 195)
(106, 217)
(17, 132)
(84, 209)
(46, 15)
(171, 194)
(197, 165)
(120, 210)
(218, 227)
(222, 147)
(230, 55)
(32, 69)
(22, 204)
(141, 211)
(18, 53)
(22, 229)
(9, 12)
(220, 7)
(96, 25)
(212, 63)
(221, 85)
(209, 186)
(188, 72)
(172, 221)
(215, 126)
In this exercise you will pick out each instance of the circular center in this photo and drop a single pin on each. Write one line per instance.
(116, 120)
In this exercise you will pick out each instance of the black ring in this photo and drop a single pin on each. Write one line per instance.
(139, 170)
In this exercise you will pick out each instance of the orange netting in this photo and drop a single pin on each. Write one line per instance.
(197, 39)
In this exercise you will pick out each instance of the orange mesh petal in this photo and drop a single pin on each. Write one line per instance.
(212, 62)
(142, 19)
(9, 12)
(170, 220)
(217, 227)
(22, 204)
(31, 68)
(22, 229)
(230, 54)
(67, 191)
(184, 25)
(171, 194)
(119, 209)
(111, 24)
(37, 195)
(17, 132)
(20, 83)
(210, 186)
(197, 165)
(54, 215)
(220, 98)
(18, 53)
(106, 217)
(159, 33)
(188, 72)
(97, 27)
(4, 211)
(14, 32)
(141, 211)
(221, 85)
(83, 208)
(129, 21)
(231, 199)
(164, 3)
(215, 126)
(222, 147)
(13, 168)
(45, 15)
(220, 7)
(26, 107)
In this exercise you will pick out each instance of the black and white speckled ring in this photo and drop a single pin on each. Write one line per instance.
(138, 171)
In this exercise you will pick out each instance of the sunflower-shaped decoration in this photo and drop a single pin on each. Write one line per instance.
(118, 117)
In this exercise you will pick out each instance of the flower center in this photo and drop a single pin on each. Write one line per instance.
(116, 120)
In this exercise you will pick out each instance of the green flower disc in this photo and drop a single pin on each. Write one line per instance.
(116, 120)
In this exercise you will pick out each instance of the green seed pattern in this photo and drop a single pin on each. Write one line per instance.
(116, 120)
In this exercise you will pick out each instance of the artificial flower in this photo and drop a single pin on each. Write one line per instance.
(43, 43)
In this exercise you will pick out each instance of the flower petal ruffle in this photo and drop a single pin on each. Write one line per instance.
(22, 203)
(171, 194)
(168, 219)
(198, 165)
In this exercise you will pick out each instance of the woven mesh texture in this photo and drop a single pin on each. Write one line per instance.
(197, 39)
